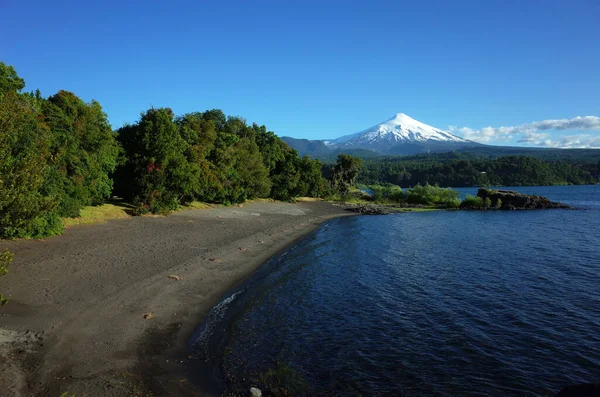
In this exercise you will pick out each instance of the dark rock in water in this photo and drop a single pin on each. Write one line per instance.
(586, 390)
(511, 200)
(368, 209)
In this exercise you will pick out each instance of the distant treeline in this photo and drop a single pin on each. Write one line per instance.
(459, 170)
(58, 154)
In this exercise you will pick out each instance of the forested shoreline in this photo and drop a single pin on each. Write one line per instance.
(464, 170)
(60, 154)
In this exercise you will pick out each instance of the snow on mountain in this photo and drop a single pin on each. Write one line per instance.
(399, 129)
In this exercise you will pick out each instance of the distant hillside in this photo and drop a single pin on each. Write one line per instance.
(540, 153)
(466, 169)
(307, 147)
(319, 150)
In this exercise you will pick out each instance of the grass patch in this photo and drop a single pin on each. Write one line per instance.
(260, 200)
(100, 214)
(194, 205)
(308, 199)
(6, 258)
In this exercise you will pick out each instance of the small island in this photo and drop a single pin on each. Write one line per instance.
(512, 200)
(378, 200)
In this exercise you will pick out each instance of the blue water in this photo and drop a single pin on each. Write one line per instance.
(448, 303)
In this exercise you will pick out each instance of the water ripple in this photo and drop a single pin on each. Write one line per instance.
(432, 304)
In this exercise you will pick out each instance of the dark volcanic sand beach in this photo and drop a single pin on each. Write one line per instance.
(76, 319)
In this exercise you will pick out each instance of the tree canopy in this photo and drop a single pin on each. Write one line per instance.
(344, 172)
(60, 154)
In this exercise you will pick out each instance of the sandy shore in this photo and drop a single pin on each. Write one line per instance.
(76, 319)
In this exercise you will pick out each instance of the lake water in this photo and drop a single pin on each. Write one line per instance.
(446, 303)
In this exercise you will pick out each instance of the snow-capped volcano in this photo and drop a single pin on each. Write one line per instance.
(399, 135)
(399, 129)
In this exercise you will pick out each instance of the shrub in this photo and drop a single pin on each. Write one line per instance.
(6, 258)
(498, 204)
(387, 193)
(453, 203)
(472, 202)
(432, 195)
(487, 203)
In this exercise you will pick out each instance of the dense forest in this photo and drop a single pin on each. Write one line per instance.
(460, 169)
(59, 154)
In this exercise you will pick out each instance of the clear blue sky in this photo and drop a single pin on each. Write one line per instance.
(317, 68)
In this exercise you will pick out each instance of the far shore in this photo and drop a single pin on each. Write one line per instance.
(106, 309)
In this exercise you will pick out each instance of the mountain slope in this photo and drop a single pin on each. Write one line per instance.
(399, 129)
(307, 147)
(400, 134)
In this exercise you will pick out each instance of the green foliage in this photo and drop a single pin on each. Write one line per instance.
(208, 157)
(9, 80)
(311, 182)
(157, 172)
(387, 193)
(498, 204)
(285, 176)
(24, 150)
(60, 154)
(253, 174)
(83, 151)
(475, 202)
(463, 169)
(57, 156)
(433, 195)
(345, 172)
(6, 258)
(487, 203)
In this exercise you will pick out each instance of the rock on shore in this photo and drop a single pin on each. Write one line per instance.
(368, 209)
(511, 200)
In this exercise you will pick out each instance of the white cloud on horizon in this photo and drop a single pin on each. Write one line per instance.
(532, 133)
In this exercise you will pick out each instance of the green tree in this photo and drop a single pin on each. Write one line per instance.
(253, 174)
(25, 211)
(159, 174)
(84, 152)
(271, 147)
(285, 176)
(311, 182)
(9, 80)
(345, 172)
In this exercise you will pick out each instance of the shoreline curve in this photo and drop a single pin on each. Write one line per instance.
(94, 311)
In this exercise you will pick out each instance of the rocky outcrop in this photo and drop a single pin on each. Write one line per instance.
(510, 200)
(368, 209)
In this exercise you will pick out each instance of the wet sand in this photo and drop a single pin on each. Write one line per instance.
(76, 322)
